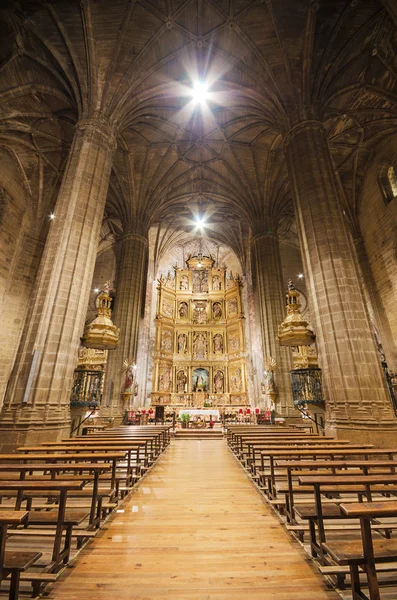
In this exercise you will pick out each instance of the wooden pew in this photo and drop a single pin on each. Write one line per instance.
(295, 469)
(156, 443)
(62, 473)
(255, 447)
(363, 450)
(137, 459)
(341, 482)
(13, 563)
(62, 487)
(242, 441)
(55, 469)
(102, 458)
(51, 456)
(371, 552)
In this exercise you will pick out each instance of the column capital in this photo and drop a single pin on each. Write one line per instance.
(264, 234)
(100, 125)
(134, 236)
(296, 129)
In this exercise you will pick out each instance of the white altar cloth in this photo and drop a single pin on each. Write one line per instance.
(204, 412)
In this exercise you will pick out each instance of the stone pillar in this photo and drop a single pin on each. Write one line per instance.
(269, 294)
(131, 277)
(357, 402)
(37, 401)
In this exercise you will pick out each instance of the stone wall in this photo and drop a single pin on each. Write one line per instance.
(20, 253)
(378, 223)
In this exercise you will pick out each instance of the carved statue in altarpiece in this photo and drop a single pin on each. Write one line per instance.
(200, 345)
(218, 343)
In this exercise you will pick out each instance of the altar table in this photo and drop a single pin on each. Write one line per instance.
(204, 412)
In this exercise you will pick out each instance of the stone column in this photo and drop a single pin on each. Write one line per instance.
(37, 401)
(131, 277)
(270, 296)
(357, 402)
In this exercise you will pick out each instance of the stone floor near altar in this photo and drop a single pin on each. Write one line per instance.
(195, 529)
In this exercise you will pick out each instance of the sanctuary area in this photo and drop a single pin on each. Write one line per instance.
(198, 284)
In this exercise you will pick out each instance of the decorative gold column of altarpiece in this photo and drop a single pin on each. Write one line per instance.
(199, 348)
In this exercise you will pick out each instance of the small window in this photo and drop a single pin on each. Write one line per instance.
(392, 177)
(388, 183)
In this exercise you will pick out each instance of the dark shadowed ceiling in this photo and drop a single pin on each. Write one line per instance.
(269, 64)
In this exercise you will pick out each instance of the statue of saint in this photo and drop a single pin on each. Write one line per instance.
(216, 283)
(217, 310)
(181, 382)
(128, 374)
(184, 283)
(218, 382)
(183, 310)
(200, 345)
(182, 343)
(269, 382)
(218, 343)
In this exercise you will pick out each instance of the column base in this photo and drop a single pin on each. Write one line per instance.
(31, 435)
(381, 435)
(113, 412)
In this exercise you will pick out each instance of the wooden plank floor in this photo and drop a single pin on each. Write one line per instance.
(195, 529)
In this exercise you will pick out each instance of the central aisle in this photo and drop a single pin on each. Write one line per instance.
(195, 529)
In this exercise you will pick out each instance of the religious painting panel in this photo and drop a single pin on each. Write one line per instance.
(233, 341)
(170, 281)
(200, 281)
(166, 341)
(237, 400)
(167, 308)
(235, 379)
(164, 380)
(232, 307)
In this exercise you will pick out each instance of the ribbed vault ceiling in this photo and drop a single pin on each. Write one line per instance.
(270, 63)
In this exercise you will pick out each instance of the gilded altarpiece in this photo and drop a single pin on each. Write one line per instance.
(200, 356)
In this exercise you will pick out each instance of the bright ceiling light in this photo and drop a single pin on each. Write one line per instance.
(300, 275)
(200, 92)
(200, 222)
